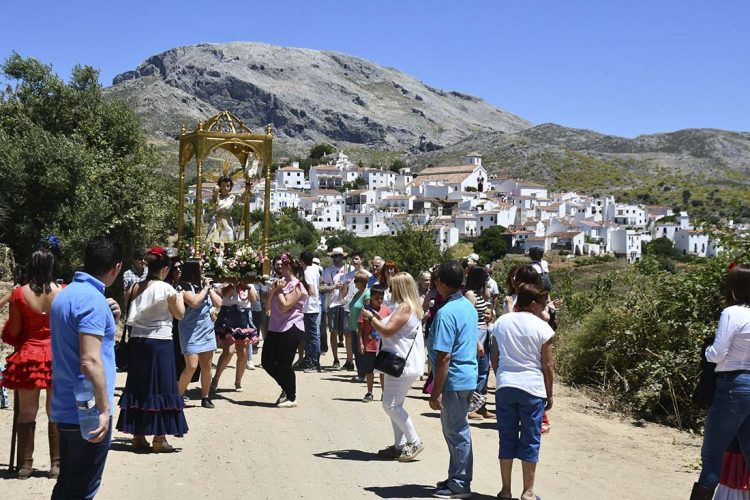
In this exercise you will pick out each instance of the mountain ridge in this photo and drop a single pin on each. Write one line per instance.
(308, 95)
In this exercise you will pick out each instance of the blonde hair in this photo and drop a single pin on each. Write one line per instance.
(404, 290)
(361, 277)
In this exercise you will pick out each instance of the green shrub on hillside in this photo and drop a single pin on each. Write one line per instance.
(641, 345)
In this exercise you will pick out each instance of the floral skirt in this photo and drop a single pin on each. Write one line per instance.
(235, 326)
(150, 404)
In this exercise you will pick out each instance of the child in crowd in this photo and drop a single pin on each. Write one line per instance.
(369, 339)
(3, 391)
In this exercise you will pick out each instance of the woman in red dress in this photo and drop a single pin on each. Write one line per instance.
(29, 369)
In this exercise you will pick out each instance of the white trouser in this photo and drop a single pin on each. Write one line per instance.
(394, 395)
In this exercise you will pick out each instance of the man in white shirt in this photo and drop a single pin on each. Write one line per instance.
(492, 289)
(336, 290)
(311, 310)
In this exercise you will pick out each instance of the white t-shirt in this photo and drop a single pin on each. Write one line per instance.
(333, 275)
(149, 313)
(492, 285)
(519, 337)
(352, 287)
(400, 343)
(312, 278)
(731, 348)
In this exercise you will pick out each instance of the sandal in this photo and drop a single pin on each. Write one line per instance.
(162, 446)
(140, 444)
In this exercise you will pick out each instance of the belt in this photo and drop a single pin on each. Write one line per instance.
(733, 373)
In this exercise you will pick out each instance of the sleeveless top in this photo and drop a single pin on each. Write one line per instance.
(400, 343)
(481, 307)
(35, 332)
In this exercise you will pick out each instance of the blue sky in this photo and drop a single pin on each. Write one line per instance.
(618, 67)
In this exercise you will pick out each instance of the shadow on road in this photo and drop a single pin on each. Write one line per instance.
(413, 491)
(256, 404)
(340, 379)
(356, 455)
(6, 474)
(349, 400)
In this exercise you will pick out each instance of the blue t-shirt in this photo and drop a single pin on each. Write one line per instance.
(79, 308)
(454, 330)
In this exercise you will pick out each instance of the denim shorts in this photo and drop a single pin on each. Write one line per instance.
(519, 421)
(337, 319)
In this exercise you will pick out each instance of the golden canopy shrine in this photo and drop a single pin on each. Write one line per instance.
(225, 132)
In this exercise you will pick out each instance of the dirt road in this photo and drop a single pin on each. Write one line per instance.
(324, 449)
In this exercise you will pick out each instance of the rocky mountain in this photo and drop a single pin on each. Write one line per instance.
(309, 96)
(379, 114)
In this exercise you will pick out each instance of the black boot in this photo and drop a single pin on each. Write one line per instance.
(701, 493)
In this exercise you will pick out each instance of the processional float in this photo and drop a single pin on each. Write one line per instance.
(221, 249)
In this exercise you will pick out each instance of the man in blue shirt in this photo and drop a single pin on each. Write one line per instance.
(452, 344)
(82, 322)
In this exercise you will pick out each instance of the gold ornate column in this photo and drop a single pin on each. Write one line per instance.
(267, 200)
(246, 209)
(181, 199)
(198, 204)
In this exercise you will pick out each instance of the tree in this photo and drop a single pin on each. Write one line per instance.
(415, 250)
(397, 165)
(320, 150)
(491, 245)
(686, 194)
(661, 247)
(76, 164)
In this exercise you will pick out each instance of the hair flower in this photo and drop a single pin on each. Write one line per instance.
(52, 243)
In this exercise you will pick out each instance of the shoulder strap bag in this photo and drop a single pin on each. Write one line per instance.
(391, 363)
(122, 353)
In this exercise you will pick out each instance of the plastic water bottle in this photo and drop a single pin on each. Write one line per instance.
(88, 413)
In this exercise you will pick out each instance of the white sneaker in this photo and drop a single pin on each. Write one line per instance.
(250, 365)
(282, 398)
(287, 404)
(410, 452)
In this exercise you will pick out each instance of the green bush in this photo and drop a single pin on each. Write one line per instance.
(641, 345)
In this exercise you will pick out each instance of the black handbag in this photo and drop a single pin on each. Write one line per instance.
(122, 351)
(391, 363)
(703, 393)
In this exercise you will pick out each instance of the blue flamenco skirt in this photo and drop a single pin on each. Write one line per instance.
(150, 404)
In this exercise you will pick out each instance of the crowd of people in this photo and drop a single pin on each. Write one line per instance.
(381, 320)
(451, 326)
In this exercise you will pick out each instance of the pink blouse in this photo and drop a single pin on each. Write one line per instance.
(283, 321)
